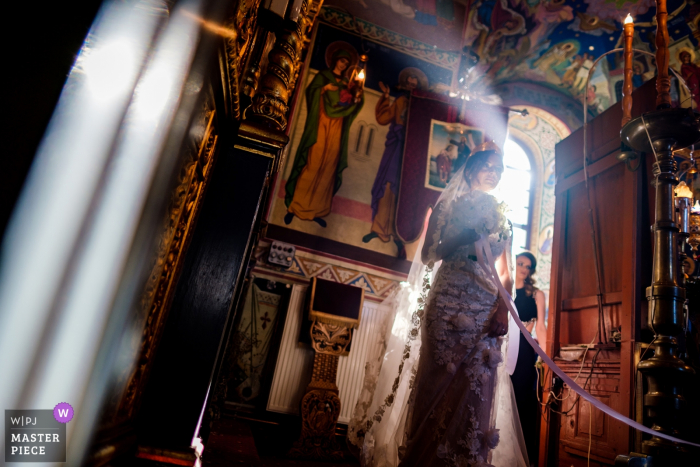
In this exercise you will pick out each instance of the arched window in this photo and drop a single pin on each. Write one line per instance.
(516, 191)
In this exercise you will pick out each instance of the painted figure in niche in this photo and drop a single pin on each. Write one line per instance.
(571, 71)
(386, 184)
(554, 59)
(332, 104)
(582, 74)
(499, 24)
(444, 162)
(464, 149)
(553, 56)
(690, 73)
(546, 240)
(547, 16)
(507, 35)
(592, 98)
(638, 76)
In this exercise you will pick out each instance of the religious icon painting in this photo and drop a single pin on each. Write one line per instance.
(340, 180)
(449, 148)
(550, 176)
(544, 243)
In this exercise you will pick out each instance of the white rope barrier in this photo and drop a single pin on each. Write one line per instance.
(482, 246)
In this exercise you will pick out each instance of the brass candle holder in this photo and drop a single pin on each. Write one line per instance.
(659, 133)
(694, 231)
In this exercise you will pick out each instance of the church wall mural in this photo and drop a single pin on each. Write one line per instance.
(449, 147)
(533, 53)
(341, 173)
(550, 43)
(554, 43)
(436, 22)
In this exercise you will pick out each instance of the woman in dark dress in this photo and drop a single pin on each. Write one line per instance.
(531, 308)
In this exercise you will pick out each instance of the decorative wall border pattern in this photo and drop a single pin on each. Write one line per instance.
(402, 43)
(377, 283)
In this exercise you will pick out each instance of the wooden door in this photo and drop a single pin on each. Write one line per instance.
(619, 198)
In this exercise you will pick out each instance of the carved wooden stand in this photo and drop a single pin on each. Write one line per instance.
(320, 406)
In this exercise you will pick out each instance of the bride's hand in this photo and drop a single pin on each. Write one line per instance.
(499, 321)
(467, 237)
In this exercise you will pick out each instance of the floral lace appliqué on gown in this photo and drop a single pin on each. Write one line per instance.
(451, 416)
(433, 403)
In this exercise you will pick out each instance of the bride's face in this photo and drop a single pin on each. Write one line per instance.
(490, 174)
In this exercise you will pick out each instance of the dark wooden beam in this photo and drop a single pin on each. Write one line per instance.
(196, 329)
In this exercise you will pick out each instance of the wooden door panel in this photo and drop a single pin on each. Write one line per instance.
(621, 211)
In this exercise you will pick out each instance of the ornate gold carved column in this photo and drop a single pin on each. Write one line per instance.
(182, 212)
(269, 106)
(320, 406)
(237, 47)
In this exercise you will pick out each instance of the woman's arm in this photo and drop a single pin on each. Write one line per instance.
(539, 325)
(499, 321)
(448, 245)
(503, 272)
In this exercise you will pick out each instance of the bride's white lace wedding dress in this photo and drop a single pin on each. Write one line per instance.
(436, 392)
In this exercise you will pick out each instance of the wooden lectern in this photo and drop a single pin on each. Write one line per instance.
(334, 310)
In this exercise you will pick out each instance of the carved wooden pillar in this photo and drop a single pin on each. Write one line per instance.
(276, 86)
(251, 74)
(334, 309)
(320, 406)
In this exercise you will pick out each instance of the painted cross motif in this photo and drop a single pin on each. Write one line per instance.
(265, 319)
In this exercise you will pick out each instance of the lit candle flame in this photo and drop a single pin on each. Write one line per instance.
(683, 191)
(628, 20)
(361, 74)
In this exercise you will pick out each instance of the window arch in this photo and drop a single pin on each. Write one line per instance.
(517, 191)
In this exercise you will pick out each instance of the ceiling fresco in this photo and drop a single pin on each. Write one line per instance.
(549, 43)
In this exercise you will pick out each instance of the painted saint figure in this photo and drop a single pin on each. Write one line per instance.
(444, 162)
(464, 149)
(691, 75)
(322, 154)
(386, 183)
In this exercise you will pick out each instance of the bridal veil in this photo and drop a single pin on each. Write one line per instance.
(377, 431)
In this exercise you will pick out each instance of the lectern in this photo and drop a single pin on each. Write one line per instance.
(334, 310)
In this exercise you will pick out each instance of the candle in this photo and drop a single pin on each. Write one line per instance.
(627, 83)
(663, 81)
(684, 199)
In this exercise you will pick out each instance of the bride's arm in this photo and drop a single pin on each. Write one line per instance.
(504, 272)
(446, 246)
(499, 321)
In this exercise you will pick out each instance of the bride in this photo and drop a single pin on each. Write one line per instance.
(436, 390)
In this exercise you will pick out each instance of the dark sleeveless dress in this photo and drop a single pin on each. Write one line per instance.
(524, 377)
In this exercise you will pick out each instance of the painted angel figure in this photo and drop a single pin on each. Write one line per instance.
(438, 393)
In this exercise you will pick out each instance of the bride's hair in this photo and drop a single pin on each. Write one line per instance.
(529, 281)
(475, 163)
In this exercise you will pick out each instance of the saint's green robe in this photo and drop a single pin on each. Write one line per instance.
(331, 103)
